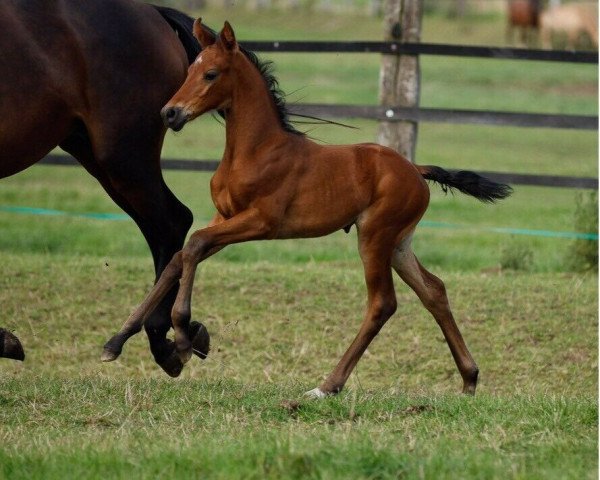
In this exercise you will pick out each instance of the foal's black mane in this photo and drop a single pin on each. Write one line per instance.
(265, 67)
(183, 24)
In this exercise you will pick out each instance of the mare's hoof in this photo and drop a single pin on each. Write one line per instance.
(172, 365)
(200, 339)
(169, 360)
(10, 346)
(469, 390)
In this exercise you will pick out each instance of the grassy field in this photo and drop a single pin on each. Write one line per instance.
(275, 335)
(282, 313)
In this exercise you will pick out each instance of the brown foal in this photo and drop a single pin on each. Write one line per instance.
(274, 183)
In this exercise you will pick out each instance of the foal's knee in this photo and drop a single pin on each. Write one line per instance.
(194, 248)
(174, 267)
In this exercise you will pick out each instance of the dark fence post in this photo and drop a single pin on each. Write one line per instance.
(399, 82)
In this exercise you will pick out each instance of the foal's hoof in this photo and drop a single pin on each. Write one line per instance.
(10, 346)
(109, 355)
(200, 339)
(185, 354)
(316, 394)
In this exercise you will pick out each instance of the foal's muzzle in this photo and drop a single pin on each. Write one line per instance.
(174, 117)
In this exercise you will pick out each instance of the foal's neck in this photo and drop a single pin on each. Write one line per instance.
(252, 119)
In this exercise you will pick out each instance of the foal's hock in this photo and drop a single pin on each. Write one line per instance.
(273, 182)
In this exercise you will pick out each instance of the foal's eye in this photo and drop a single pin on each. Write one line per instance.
(211, 75)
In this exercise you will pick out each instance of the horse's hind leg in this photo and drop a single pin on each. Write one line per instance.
(432, 293)
(134, 323)
(129, 171)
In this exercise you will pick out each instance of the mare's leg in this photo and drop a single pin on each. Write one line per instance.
(128, 169)
(375, 251)
(248, 225)
(432, 293)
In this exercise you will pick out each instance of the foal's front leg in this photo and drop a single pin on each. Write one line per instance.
(248, 225)
(171, 273)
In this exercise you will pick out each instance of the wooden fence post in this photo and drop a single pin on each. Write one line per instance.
(399, 82)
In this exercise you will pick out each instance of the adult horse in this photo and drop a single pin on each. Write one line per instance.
(91, 77)
(525, 15)
(570, 21)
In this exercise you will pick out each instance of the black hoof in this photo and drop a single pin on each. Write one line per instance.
(110, 353)
(169, 360)
(10, 346)
(200, 339)
(172, 365)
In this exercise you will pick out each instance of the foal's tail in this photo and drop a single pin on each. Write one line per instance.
(467, 182)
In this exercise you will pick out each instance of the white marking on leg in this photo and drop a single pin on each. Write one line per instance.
(316, 393)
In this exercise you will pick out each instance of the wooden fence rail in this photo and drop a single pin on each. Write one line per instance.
(423, 49)
(393, 113)
(441, 115)
(511, 178)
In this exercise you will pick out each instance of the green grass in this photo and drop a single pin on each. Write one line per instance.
(470, 248)
(275, 334)
(151, 429)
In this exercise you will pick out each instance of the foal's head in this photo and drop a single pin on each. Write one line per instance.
(209, 82)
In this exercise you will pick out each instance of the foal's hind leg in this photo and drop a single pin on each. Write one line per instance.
(432, 293)
(375, 252)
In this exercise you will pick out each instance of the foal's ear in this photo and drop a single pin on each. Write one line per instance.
(228, 37)
(203, 34)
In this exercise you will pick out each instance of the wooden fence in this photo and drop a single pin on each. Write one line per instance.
(417, 114)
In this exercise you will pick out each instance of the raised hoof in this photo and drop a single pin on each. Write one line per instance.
(109, 355)
(200, 339)
(10, 346)
(317, 393)
(185, 354)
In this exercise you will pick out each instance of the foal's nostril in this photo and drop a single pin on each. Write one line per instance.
(174, 117)
(171, 113)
